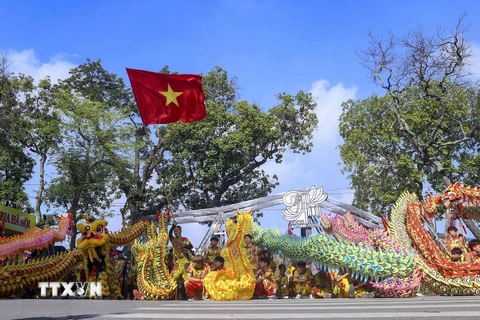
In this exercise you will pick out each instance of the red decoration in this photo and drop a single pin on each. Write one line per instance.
(167, 98)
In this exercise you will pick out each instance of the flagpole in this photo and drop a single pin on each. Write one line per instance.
(156, 163)
(149, 91)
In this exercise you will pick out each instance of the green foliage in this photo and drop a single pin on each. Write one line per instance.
(83, 185)
(41, 122)
(385, 160)
(16, 165)
(95, 133)
(424, 130)
(48, 220)
(86, 128)
(16, 169)
(217, 161)
(381, 165)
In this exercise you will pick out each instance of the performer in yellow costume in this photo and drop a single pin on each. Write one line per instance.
(302, 281)
(212, 251)
(322, 286)
(181, 251)
(236, 280)
(196, 272)
(456, 240)
(344, 286)
(474, 246)
(265, 285)
(283, 284)
(341, 287)
(252, 251)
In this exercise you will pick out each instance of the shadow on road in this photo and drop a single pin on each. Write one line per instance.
(76, 317)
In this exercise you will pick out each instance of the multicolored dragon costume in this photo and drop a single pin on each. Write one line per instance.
(236, 281)
(346, 228)
(465, 198)
(94, 248)
(35, 238)
(96, 243)
(360, 261)
(394, 259)
(442, 275)
(153, 278)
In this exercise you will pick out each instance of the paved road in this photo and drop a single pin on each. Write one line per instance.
(414, 308)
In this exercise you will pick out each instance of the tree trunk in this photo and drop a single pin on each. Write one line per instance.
(447, 183)
(73, 239)
(133, 211)
(473, 227)
(41, 188)
(73, 212)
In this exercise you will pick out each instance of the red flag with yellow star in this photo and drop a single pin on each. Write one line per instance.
(166, 98)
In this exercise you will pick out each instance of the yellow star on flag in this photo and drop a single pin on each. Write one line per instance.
(170, 95)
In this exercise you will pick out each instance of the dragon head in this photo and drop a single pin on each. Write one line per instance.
(66, 222)
(94, 234)
(452, 194)
(163, 218)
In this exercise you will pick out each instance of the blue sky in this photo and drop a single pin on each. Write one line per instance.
(271, 46)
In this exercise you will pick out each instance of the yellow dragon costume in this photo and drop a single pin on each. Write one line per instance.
(236, 281)
(153, 278)
(93, 250)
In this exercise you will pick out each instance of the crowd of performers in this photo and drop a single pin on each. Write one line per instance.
(295, 279)
(273, 281)
(292, 279)
(459, 250)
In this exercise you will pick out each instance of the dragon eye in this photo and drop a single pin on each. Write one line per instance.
(99, 229)
(87, 228)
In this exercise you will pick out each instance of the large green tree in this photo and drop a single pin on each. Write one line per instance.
(16, 164)
(218, 161)
(135, 177)
(94, 130)
(41, 131)
(106, 149)
(423, 130)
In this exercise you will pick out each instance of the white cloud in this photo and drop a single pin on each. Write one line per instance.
(329, 108)
(26, 62)
(292, 169)
(320, 167)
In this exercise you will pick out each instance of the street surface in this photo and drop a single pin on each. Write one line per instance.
(414, 308)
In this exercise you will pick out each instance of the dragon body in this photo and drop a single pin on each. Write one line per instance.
(16, 278)
(35, 238)
(360, 261)
(346, 228)
(427, 248)
(153, 278)
(405, 224)
(396, 259)
(93, 250)
(236, 281)
(441, 275)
